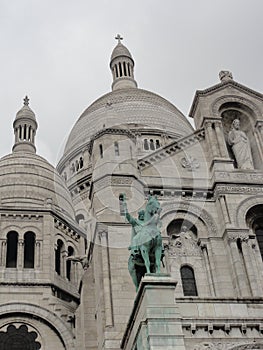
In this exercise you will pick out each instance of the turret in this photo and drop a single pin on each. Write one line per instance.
(122, 67)
(25, 127)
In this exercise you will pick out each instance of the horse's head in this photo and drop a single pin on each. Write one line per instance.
(152, 206)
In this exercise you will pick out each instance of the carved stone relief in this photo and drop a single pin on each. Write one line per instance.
(190, 163)
(184, 244)
(228, 346)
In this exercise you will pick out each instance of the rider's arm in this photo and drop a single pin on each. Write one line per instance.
(130, 219)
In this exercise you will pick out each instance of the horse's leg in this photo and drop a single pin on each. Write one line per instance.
(158, 253)
(132, 271)
(145, 255)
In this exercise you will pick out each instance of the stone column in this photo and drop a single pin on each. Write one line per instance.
(103, 234)
(222, 201)
(221, 140)
(74, 272)
(37, 254)
(241, 280)
(64, 255)
(20, 253)
(208, 270)
(3, 253)
(155, 321)
(250, 267)
(211, 138)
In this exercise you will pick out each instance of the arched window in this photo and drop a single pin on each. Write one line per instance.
(254, 219)
(79, 217)
(29, 133)
(20, 132)
(58, 257)
(101, 150)
(19, 338)
(29, 250)
(152, 145)
(188, 281)
(24, 133)
(116, 71)
(72, 168)
(157, 143)
(120, 68)
(176, 227)
(116, 148)
(259, 234)
(146, 144)
(11, 253)
(124, 69)
(81, 163)
(69, 263)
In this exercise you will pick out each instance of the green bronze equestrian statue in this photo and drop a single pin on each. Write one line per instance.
(146, 240)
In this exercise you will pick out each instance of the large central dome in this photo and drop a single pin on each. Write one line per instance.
(127, 107)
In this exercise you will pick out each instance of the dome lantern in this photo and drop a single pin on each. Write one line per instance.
(25, 127)
(122, 67)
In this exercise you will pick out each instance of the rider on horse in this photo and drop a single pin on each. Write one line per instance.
(146, 240)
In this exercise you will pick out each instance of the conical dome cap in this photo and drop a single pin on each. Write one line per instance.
(25, 111)
(120, 50)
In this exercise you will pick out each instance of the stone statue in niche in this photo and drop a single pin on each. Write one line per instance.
(239, 142)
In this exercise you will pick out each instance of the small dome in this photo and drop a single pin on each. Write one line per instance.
(120, 50)
(25, 112)
(28, 181)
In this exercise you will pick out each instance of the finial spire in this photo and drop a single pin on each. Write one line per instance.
(119, 38)
(26, 101)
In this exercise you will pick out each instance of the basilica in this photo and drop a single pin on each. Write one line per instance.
(65, 241)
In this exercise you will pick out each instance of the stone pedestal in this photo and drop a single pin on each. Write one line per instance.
(155, 322)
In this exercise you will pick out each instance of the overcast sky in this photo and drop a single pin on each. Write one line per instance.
(57, 52)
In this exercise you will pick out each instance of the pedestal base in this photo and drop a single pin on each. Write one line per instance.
(155, 322)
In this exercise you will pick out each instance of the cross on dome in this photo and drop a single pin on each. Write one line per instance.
(26, 101)
(119, 38)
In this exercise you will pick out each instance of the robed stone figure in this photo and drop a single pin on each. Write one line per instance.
(239, 142)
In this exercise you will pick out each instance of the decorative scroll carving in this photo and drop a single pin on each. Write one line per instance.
(234, 236)
(239, 176)
(121, 180)
(222, 189)
(190, 163)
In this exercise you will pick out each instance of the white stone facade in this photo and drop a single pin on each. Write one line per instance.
(135, 142)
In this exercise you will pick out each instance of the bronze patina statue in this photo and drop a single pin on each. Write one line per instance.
(146, 241)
